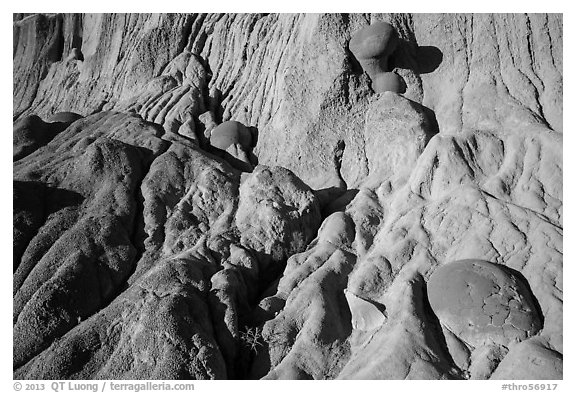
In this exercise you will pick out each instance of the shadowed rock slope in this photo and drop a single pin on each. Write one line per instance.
(313, 243)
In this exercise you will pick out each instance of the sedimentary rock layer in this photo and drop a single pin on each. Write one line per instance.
(145, 248)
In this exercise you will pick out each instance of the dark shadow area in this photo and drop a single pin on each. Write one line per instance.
(200, 130)
(254, 362)
(352, 64)
(255, 133)
(253, 158)
(429, 59)
(435, 337)
(230, 159)
(30, 133)
(58, 199)
(30, 194)
(339, 201)
(252, 317)
(215, 104)
(160, 131)
(420, 59)
(28, 215)
(56, 50)
(229, 345)
(235, 162)
(26, 192)
(433, 123)
(328, 195)
(53, 49)
(77, 31)
(33, 202)
(260, 364)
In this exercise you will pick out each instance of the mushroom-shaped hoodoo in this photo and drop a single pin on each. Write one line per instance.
(483, 303)
(230, 133)
(372, 46)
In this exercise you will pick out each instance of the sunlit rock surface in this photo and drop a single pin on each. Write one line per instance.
(147, 247)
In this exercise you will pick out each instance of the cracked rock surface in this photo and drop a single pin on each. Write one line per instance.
(482, 303)
(355, 234)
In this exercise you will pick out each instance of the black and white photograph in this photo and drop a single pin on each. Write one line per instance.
(287, 196)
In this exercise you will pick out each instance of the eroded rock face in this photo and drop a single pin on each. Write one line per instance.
(483, 303)
(141, 250)
(150, 331)
(82, 250)
(396, 131)
(530, 359)
(278, 215)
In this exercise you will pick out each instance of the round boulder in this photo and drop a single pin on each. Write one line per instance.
(483, 303)
(337, 229)
(230, 133)
(388, 81)
(372, 45)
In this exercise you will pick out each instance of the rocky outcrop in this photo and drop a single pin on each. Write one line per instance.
(236, 196)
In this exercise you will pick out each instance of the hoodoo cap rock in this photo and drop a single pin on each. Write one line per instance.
(374, 41)
(373, 46)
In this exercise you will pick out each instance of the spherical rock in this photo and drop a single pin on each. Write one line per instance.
(388, 81)
(229, 133)
(483, 303)
(372, 45)
(376, 40)
(338, 229)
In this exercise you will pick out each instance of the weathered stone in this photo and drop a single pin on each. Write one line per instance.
(372, 45)
(483, 303)
(530, 359)
(278, 215)
(388, 81)
(141, 251)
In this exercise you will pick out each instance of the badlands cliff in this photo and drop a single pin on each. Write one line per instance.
(245, 196)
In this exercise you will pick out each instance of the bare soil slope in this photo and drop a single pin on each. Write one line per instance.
(303, 248)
